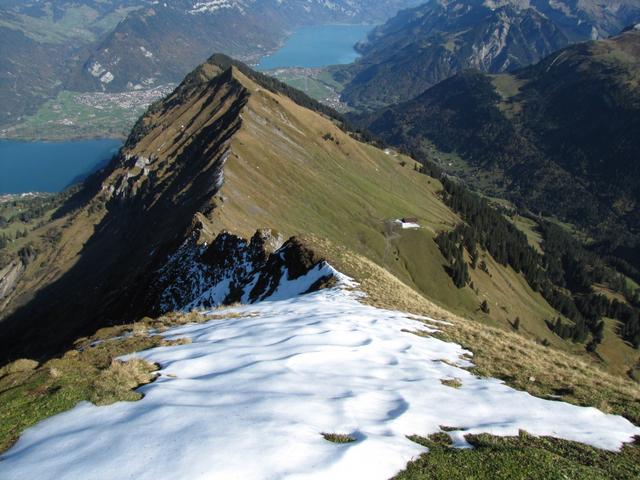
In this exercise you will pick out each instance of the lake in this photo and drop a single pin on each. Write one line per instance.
(50, 166)
(318, 46)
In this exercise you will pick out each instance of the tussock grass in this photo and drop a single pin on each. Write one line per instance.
(338, 437)
(28, 395)
(438, 438)
(146, 326)
(451, 382)
(524, 456)
(445, 428)
(19, 366)
(117, 382)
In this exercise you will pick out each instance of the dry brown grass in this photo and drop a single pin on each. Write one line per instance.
(18, 366)
(451, 382)
(176, 319)
(338, 438)
(121, 378)
(147, 326)
(544, 371)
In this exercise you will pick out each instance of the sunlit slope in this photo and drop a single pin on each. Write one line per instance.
(225, 153)
(296, 171)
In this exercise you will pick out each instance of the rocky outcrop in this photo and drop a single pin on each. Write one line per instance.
(232, 269)
(9, 277)
(11, 274)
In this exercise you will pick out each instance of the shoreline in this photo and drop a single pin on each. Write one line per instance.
(256, 64)
(62, 139)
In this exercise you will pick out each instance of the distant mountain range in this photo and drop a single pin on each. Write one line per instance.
(91, 45)
(560, 137)
(425, 45)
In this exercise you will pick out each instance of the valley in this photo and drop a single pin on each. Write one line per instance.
(370, 239)
(72, 115)
(318, 83)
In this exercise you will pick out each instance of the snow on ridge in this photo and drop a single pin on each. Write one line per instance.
(233, 269)
(348, 8)
(251, 395)
(211, 6)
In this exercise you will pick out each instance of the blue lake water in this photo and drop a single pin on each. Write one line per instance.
(50, 166)
(318, 46)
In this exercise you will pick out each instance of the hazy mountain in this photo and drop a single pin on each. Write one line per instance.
(39, 40)
(163, 42)
(423, 46)
(129, 44)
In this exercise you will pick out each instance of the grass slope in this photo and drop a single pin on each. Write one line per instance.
(524, 456)
(348, 192)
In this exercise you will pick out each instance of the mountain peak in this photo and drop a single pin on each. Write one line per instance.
(229, 150)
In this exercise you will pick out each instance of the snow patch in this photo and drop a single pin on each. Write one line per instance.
(146, 52)
(212, 6)
(107, 77)
(96, 69)
(251, 395)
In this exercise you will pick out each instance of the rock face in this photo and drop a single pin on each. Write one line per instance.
(228, 270)
(423, 46)
(11, 274)
(9, 277)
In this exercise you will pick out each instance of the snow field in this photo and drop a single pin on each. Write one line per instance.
(250, 397)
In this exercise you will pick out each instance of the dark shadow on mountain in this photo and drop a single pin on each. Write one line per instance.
(113, 279)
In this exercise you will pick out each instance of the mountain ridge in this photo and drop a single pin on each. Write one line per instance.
(166, 178)
(231, 152)
(423, 46)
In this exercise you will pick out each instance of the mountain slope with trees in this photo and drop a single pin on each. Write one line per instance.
(559, 138)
